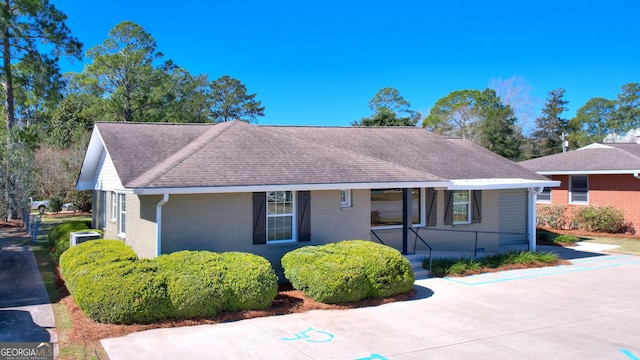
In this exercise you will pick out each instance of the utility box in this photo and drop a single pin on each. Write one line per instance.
(83, 236)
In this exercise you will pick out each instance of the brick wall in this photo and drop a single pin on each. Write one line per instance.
(621, 191)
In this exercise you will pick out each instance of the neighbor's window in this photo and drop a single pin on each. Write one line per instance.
(545, 195)
(386, 207)
(114, 206)
(579, 190)
(123, 215)
(461, 207)
(280, 216)
(345, 198)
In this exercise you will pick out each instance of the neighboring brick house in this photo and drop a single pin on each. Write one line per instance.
(597, 175)
(270, 189)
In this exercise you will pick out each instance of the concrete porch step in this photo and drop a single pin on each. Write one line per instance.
(416, 264)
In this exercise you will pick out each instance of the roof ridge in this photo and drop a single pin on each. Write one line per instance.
(357, 153)
(184, 153)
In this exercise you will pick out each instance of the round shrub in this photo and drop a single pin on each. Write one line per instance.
(250, 281)
(195, 283)
(124, 293)
(348, 271)
(203, 283)
(83, 258)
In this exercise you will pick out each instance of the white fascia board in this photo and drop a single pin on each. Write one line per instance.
(90, 162)
(587, 172)
(291, 187)
(500, 184)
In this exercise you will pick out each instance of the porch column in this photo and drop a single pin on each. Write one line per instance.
(531, 216)
(407, 218)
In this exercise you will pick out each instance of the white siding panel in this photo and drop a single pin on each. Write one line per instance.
(107, 178)
(513, 215)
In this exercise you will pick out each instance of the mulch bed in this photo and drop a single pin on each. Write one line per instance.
(591, 233)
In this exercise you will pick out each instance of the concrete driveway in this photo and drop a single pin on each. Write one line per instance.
(588, 310)
(25, 312)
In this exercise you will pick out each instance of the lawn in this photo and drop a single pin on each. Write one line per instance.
(629, 244)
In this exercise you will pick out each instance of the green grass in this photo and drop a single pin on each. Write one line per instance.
(629, 246)
(47, 267)
(464, 266)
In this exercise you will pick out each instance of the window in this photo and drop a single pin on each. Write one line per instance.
(386, 207)
(345, 198)
(114, 206)
(123, 215)
(280, 216)
(545, 195)
(461, 207)
(579, 190)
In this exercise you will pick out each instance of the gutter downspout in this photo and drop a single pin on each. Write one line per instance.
(165, 198)
(531, 216)
(636, 175)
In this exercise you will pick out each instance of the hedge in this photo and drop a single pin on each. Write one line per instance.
(124, 292)
(348, 271)
(111, 285)
(79, 260)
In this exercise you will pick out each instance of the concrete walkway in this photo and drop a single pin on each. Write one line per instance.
(25, 312)
(588, 310)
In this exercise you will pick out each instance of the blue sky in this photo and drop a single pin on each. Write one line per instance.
(319, 62)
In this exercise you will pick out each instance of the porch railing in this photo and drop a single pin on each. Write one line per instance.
(476, 234)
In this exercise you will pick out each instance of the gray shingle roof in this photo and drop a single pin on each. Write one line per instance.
(611, 158)
(151, 155)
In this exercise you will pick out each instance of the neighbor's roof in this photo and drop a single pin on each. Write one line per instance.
(592, 159)
(236, 154)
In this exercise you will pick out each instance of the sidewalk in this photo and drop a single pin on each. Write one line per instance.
(25, 312)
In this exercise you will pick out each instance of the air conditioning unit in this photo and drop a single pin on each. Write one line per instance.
(82, 236)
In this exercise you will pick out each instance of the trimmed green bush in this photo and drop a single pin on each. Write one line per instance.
(553, 216)
(203, 283)
(348, 271)
(250, 282)
(124, 292)
(83, 258)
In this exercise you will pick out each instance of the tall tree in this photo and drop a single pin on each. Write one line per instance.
(550, 125)
(389, 109)
(517, 93)
(499, 132)
(123, 71)
(456, 115)
(25, 25)
(230, 101)
(628, 108)
(593, 122)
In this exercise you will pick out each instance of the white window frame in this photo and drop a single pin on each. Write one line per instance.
(345, 198)
(114, 206)
(422, 205)
(547, 190)
(468, 203)
(571, 201)
(122, 214)
(292, 214)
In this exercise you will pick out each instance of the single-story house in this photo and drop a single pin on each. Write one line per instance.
(597, 174)
(269, 189)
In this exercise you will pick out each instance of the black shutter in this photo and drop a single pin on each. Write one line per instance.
(304, 216)
(476, 206)
(448, 207)
(259, 218)
(432, 207)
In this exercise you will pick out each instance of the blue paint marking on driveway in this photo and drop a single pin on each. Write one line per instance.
(596, 262)
(629, 354)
